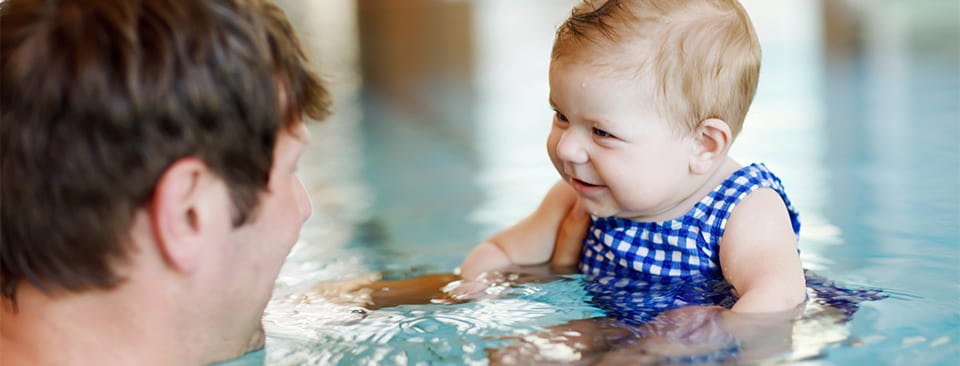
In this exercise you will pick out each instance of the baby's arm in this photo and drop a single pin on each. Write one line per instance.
(570, 235)
(758, 255)
(530, 241)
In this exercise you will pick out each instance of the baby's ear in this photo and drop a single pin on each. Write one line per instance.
(712, 139)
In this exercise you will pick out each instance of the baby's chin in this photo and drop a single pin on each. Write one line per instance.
(597, 210)
(617, 212)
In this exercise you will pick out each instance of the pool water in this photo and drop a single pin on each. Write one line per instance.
(857, 112)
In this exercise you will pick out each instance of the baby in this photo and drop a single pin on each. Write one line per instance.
(648, 98)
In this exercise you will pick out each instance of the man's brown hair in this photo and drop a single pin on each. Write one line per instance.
(101, 96)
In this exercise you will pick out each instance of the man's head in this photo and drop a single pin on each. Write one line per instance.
(103, 98)
(698, 59)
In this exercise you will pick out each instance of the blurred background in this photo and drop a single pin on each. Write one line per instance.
(441, 118)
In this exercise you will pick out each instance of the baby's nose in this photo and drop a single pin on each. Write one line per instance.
(571, 148)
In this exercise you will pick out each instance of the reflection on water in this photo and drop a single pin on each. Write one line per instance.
(330, 325)
(321, 328)
(437, 141)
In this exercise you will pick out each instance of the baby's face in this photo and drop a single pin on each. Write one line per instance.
(609, 142)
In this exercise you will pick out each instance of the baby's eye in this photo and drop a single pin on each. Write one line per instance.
(601, 133)
(560, 116)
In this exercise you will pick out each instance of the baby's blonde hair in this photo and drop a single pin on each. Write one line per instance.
(705, 58)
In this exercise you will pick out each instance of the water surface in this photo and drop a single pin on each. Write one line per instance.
(438, 145)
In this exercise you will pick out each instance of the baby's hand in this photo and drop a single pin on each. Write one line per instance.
(486, 286)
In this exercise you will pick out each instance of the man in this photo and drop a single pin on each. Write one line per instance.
(148, 195)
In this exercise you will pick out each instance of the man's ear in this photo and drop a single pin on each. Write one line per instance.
(179, 212)
(712, 139)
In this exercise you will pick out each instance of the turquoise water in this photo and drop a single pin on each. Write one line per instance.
(863, 128)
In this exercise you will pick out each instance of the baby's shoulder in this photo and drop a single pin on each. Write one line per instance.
(757, 199)
(752, 188)
(742, 183)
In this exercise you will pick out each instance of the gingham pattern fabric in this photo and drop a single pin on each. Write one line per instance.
(642, 301)
(618, 251)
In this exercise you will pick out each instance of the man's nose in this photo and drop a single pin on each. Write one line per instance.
(303, 201)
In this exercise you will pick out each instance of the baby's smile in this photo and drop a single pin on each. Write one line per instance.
(585, 188)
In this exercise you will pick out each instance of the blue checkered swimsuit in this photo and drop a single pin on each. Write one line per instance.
(618, 252)
(637, 270)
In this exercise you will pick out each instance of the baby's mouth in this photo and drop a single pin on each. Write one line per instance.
(584, 183)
